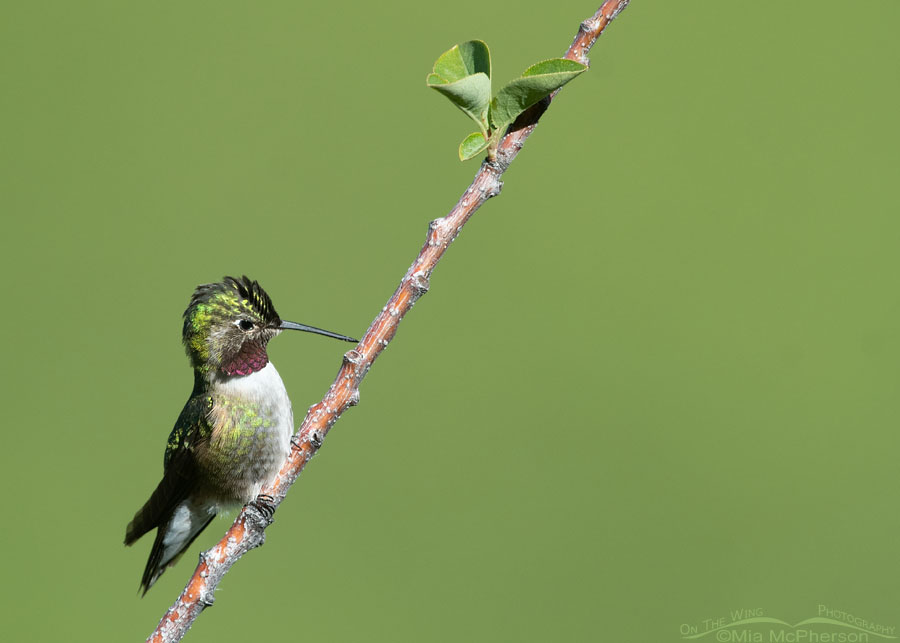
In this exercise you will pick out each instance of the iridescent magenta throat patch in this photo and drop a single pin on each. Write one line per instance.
(252, 358)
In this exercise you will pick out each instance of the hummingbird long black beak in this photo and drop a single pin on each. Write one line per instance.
(289, 325)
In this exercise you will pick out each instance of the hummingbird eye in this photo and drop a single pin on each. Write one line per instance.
(245, 324)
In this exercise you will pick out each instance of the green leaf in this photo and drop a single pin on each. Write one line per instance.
(463, 74)
(472, 145)
(472, 57)
(477, 57)
(472, 95)
(537, 82)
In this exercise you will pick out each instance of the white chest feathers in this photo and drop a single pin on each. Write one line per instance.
(252, 424)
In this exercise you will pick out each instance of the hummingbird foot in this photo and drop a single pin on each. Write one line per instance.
(265, 505)
(315, 439)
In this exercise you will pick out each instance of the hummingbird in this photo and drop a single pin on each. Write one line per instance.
(235, 430)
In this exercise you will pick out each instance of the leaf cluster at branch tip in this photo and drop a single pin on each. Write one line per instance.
(463, 75)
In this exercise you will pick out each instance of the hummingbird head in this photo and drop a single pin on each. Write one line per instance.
(228, 324)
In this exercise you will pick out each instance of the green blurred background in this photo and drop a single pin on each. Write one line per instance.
(653, 382)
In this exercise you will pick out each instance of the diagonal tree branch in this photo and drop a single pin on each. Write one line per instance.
(248, 530)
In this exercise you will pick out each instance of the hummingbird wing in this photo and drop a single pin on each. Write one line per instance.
(173, 491)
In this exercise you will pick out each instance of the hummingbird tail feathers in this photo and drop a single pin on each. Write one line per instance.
(173, 538)
(177, 517)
